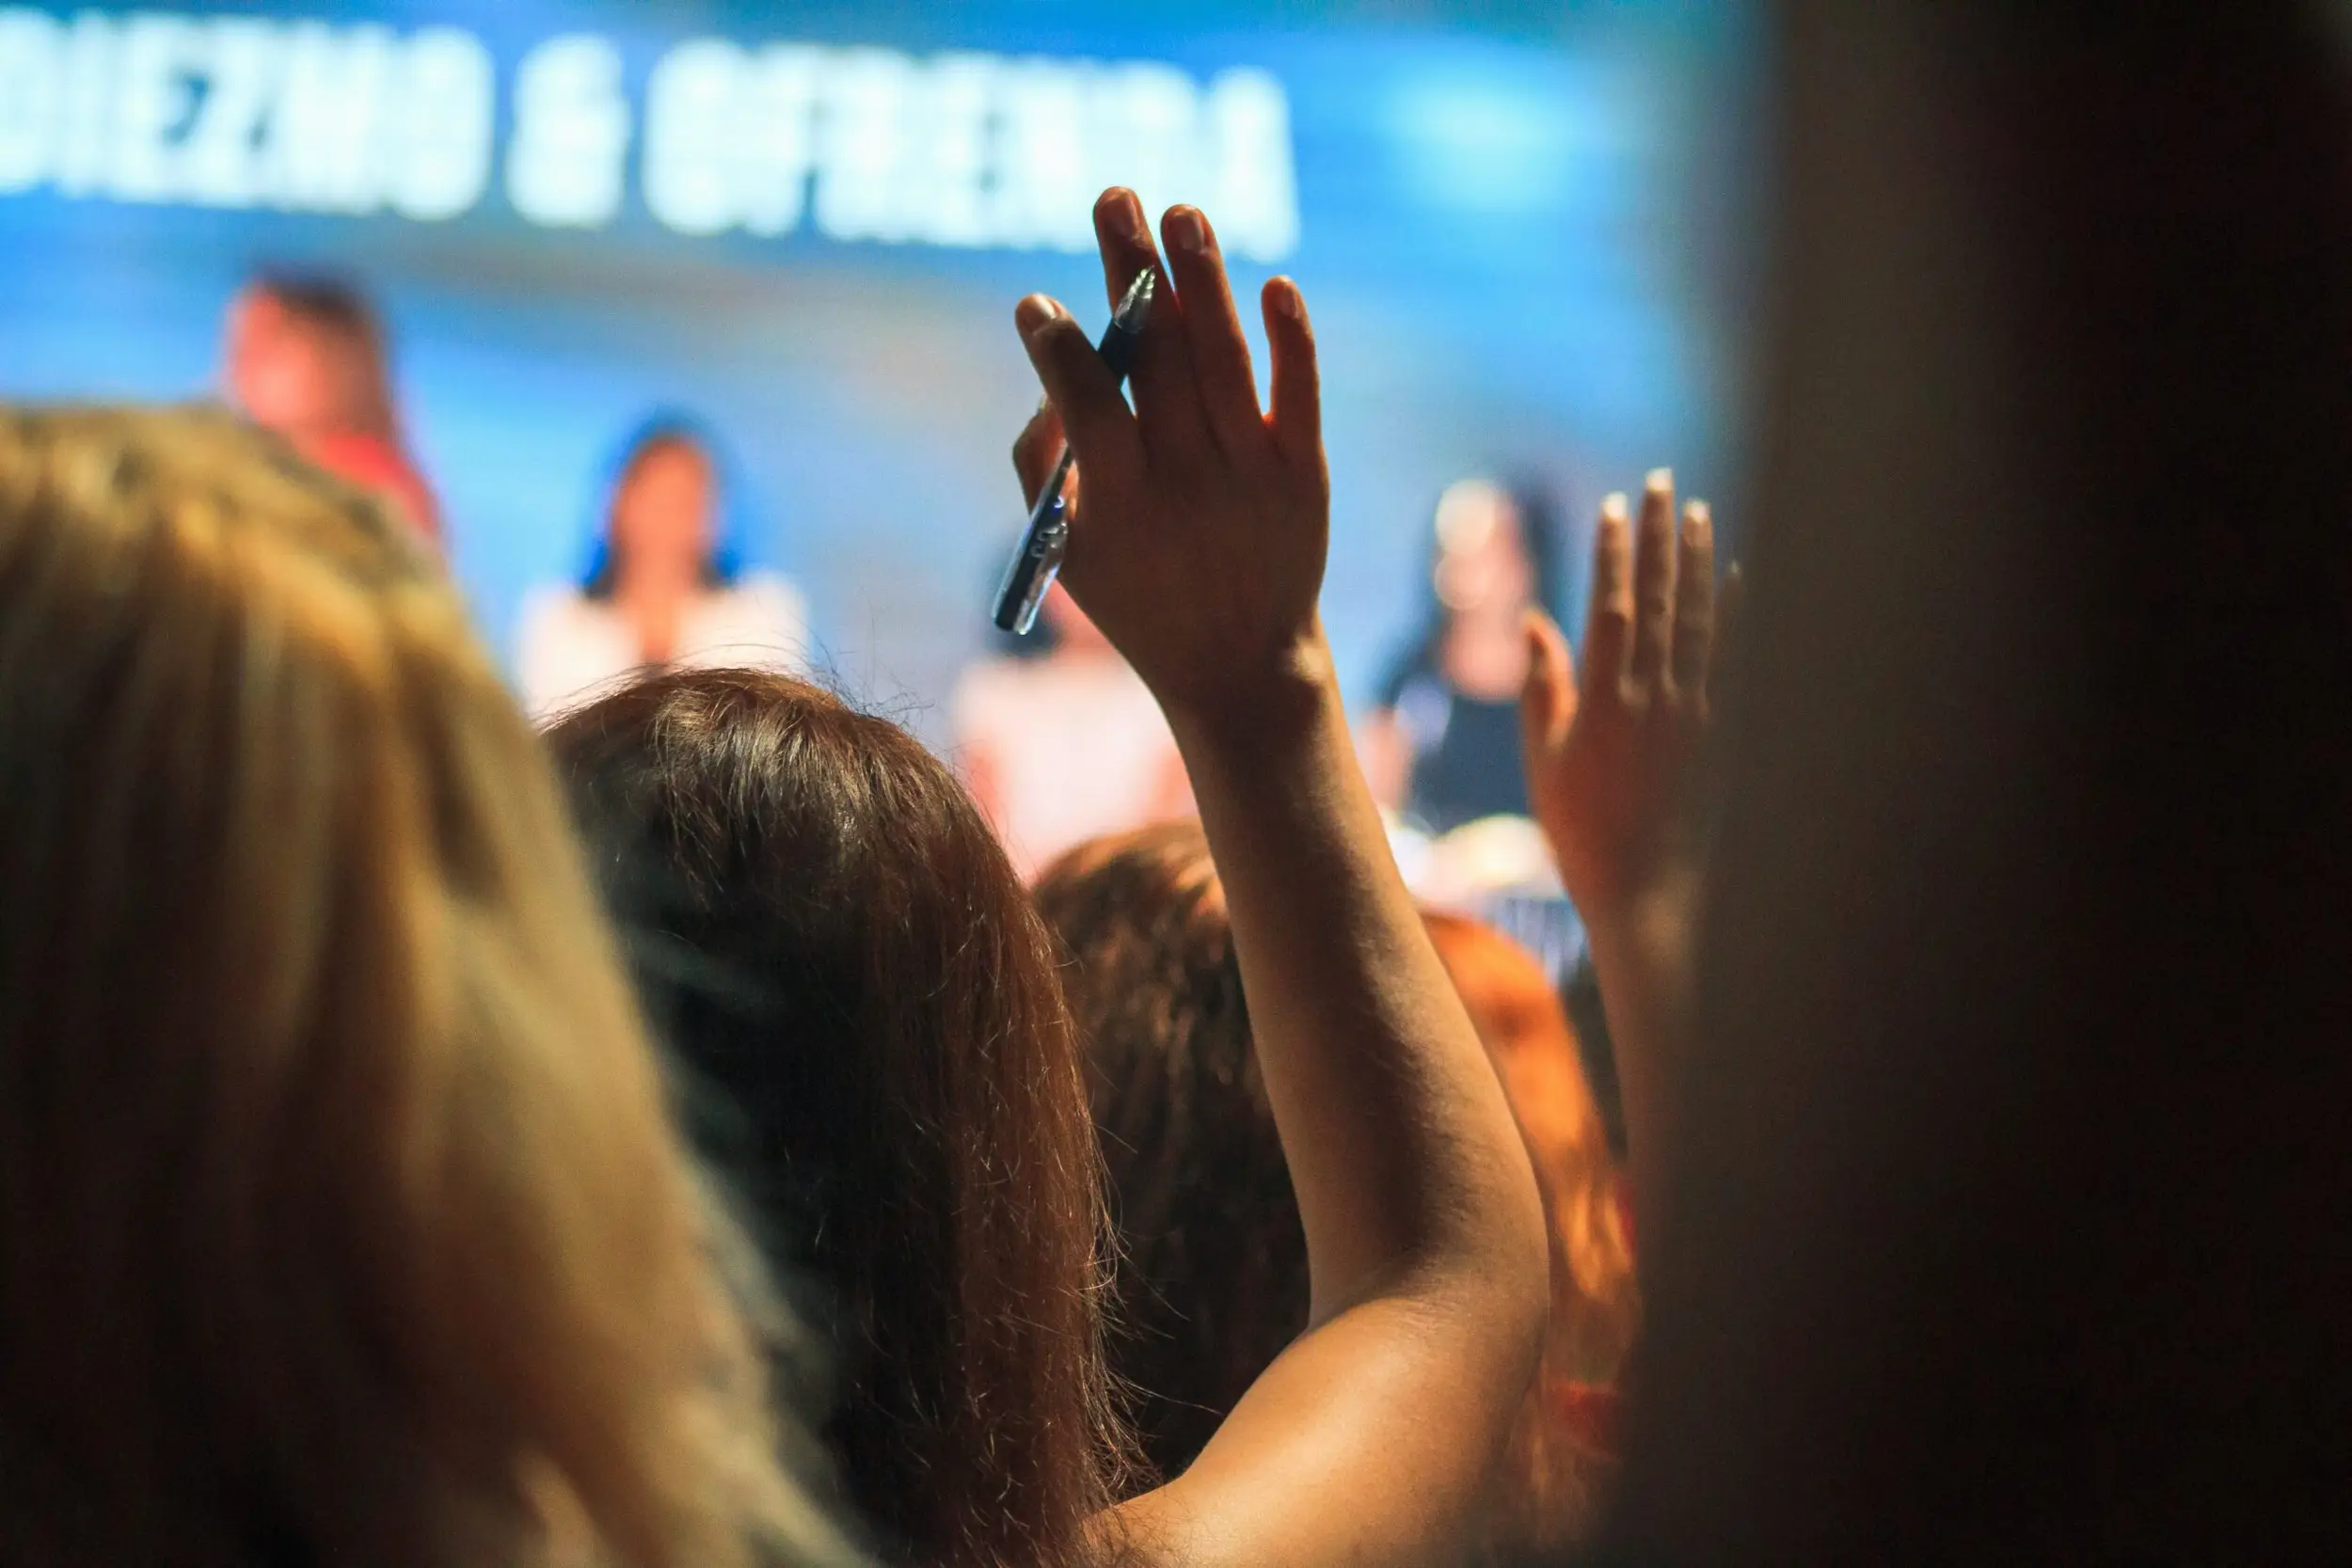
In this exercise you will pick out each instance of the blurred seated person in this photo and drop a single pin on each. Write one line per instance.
(663, 588)
(1059, 743)
(1212, 1268)
(305, 358)
(1442, 745)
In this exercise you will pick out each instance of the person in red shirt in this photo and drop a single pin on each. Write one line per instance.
(303, 357)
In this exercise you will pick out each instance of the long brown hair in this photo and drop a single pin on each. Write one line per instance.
(867, 1010)
(339, 1219)
(1214, 1277)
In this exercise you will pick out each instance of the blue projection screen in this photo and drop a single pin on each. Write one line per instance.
(807, 227)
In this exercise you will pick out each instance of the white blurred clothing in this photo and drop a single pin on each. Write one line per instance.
(1064, 749)
(571, 648)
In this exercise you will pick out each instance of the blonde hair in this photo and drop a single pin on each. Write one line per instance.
(341, 1218)
(1595, 1305)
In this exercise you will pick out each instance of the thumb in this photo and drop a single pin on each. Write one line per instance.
(1079, 386)
(1036, 450)
(1548, 697)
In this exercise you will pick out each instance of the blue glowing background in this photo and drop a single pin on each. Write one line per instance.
(1523, 238)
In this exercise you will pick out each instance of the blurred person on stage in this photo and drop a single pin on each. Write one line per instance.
(1442, 745)
(305, 356)
(664, 587)
(1059, 741)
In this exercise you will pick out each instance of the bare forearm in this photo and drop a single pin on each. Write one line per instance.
(1644, 962)
(1199, 548)
(1401, 1146)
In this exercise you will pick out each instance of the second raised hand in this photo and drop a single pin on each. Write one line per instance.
(1611, 768)
(1609, 748)
(1200, 541)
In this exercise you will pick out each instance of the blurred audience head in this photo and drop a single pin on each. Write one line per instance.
(663, 518)
(1213, 1282)
(340, 1216)
(867, 1010)
(1215, 1279)
(305, 356)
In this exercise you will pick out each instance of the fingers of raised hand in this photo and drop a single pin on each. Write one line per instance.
(1125, 241)
(1297, 417)
(1548, 699)
(1167, 399)
(1609, 619)
(1221, 355)
(1654, 552)
(1694, 602)
(1079, 386)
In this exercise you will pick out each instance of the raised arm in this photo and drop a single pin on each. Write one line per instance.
(1200, 550)
(1611, 770)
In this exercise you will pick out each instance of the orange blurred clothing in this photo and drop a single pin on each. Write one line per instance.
(376, 464)
(1591, 1414)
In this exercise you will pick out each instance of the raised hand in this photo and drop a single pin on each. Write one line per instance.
(1610, 759)
(1199, 546)
(1196, 545)
(1611, 767)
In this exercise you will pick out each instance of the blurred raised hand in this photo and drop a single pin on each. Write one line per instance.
(1611, 749)
(1199, 546)
(1613, 764)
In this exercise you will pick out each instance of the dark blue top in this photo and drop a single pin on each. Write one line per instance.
(1466, 751)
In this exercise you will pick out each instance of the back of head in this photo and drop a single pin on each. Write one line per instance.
(1213, 1283)
(338, 1218)
(876, 1045)
(1214, 1278)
